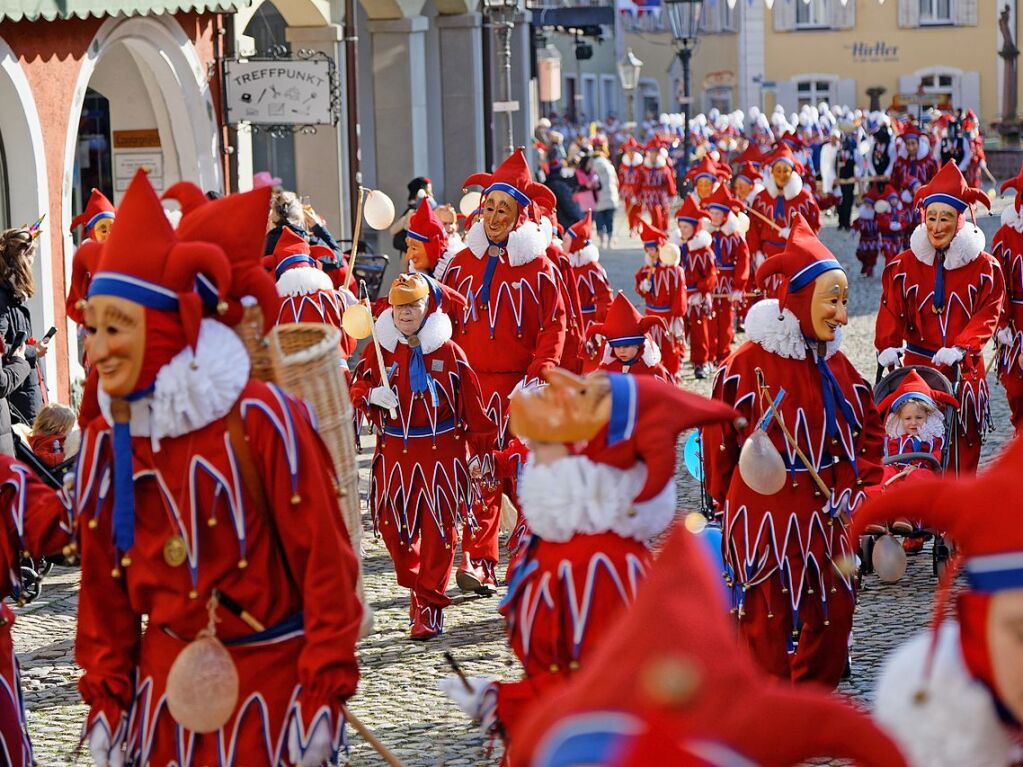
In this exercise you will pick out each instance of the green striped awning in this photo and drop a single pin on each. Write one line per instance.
(48, 10)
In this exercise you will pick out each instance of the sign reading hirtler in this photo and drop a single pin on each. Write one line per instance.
(280, 91)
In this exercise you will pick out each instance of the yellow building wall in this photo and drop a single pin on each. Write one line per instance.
(901, 52)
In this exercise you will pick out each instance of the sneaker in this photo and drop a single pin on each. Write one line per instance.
(429, 623)
(476, 576)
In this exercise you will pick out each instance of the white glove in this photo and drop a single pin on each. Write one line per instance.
(784, 232)
(677, 329)
(526, 384)
(889, 358)
(103, 754)
(947, 356)
(318, 748)
(644, 285)
(1005, 336)
(695, 301)
(708, 300)
(382, 396)
(895, 226)
(479, 703)
(907, 196)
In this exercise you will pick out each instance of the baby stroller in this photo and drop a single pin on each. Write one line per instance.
(886, 384)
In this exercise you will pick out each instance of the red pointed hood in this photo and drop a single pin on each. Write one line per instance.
(707, 168)
(581, 231)
(513, 177)
(651, 235)
(1016, 182)
(722, 200)
(782, 153)
(690, 212)
(624, 326)
(749, 172)
(425, 227)
(949, 186)
(291, 252)
(237, 223)
(913, 386)
(671, 671)
(751, 154)
(97, 208)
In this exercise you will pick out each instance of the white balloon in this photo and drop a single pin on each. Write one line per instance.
(889, 559)
(670, 254)
(760, 464)
(378, 210)
(469, 203)
(743, 223)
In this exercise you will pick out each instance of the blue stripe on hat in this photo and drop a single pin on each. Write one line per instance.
(206, 290)
(298, 258)
(500, 186)
(650, 244)
(97, 218)
(912, 395)
(623, 408)
(808, 274)
(626, 341)
(719, 206)
(133, 289)
(948, 199)
(996, 572)
(416, 236)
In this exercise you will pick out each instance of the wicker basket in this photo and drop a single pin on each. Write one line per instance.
(250, 330)
(307, 364)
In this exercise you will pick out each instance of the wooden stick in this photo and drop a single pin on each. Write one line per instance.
(356, 233)
(985, 169)
(376, 345)
(458, 670)
(370, 738)
(794, 446)
(763, 218)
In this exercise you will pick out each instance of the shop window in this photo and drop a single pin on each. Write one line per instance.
(813, 92)
(935, 12)
(93, 160)
(812, 14)
(649, 99)
(719, 98)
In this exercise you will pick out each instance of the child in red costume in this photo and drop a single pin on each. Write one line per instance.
(731, 260)
(795, 608)
(1007, 248)
(421, 486)
(514, 304)
(891, 223)
(596, 489)
(590, 279)
(942, 300)
(869, 245)
(630, 182)
(663, 288)
(658, 187)
(697, 262)
(197, 478)
(628, 348)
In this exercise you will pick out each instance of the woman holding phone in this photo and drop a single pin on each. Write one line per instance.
(17, 285)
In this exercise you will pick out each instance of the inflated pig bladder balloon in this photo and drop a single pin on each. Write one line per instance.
(760, 465)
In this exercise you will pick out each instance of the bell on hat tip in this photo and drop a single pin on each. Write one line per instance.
(80, 303)
(93, 524)
(695, 522)
(125, 561)
(222, 307)
(296, 499)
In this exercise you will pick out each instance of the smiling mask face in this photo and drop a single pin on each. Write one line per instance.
(829, 305)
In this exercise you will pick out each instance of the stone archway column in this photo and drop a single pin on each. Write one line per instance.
(461, 61)
(320, 159)
(400, 108)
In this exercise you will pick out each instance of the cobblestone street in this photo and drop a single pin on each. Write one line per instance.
(398, 697)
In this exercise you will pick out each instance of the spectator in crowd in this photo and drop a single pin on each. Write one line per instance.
(50, 432)
(287, 210)
(17, 285)
(15, 369)
(607, 197)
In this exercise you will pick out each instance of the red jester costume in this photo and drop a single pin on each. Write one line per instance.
(731, 261)
(628, 349)
(1007, 248)
(794, 606)
(658, 188)
(630, 181)
(941, 300)
(205, 480)
(782, 197)
(513, 326)
(663, 289)
(591, 280)
(591, 510)
(697, 262)
(421, 488)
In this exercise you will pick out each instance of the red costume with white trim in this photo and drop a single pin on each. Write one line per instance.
(920, 168)
(781, 207)
(625, 327)
(781, 548)
(307, 293)
(37, 520)
(421, 488)
(630, 181)
(1007, 248)
(514, 305)
(964, 318)
(572, 354)
(591, 280)
(892, 221)
(732, 263)
(697, 262)
(190, 521)
(663, 290)
(657, 188)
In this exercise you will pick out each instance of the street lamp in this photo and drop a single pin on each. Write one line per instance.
(684, 18)
(628, 75)
(502, 21)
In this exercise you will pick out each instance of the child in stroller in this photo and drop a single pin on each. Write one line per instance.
(51, 436)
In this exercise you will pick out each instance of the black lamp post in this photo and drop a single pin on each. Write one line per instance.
(684, 18)
(502, 20)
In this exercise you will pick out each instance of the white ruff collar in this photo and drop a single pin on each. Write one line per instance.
(964, 248)
(525, 243)
(575, 496)
(728, 227)
(651, 354)
(302, 280)
(781, 336)
(1011, 218)
(436, 331)
(933, 427)
(586, 255)
(700, 240)
(187, 398)
(792, 187)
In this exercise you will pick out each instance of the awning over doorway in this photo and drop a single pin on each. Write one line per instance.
(48, 10)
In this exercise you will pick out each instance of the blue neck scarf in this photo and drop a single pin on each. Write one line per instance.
(779, 207)
(939, 282)
(124, 482)
(834, 400)
(488, 274)
(419, 379)
(718, 237)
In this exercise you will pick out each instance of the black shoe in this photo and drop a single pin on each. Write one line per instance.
(700, 371)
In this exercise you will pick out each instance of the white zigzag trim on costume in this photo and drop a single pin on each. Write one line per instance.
(328, 305)
(579, 608)
(301, 280)
(699, 241)
(956, 725)
(578, 496)
(513, 292)
(436, 331)
(187, 398)
(965, 247)
(588, 254)
(783, 337)
(792, 187)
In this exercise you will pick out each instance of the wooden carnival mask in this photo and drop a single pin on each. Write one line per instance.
(569, 409)
(116, 342)
(829, 305)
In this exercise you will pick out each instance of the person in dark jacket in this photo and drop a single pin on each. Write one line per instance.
(286, 210)
(14, 371)
(17, 285)
(563, 188)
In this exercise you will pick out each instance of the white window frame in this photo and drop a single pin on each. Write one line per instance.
(707, 98)
(727, 17)
(824, 22)
(591, 97)
(814, 95)
(609, 102)
(930, 20)
(936, 90)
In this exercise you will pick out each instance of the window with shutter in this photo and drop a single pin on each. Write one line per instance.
(843, 16)
(812, 14)
(909, 13)
(785, 15)
(964, 12)
(936, 12)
